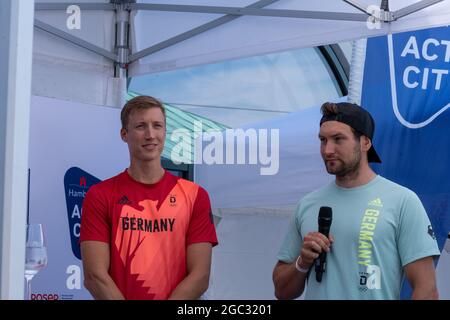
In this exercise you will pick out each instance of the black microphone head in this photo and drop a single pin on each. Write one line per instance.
(325, 216)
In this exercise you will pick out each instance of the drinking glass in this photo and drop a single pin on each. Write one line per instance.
(35, 254)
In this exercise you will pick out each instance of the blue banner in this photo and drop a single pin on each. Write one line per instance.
(406, 88)
(76, 184)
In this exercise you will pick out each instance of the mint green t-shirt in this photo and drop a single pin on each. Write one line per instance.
(378, 228)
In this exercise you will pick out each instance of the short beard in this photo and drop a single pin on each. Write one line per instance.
(350, 169)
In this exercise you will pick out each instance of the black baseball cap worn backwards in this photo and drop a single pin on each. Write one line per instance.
(359, 119)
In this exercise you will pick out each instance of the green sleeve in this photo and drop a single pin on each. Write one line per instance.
(292, 243)
(415, 238)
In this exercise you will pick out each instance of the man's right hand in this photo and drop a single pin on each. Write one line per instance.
(289, 281)
(96, 262)
(313, 244)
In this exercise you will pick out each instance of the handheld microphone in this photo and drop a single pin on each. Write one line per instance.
(325, 218)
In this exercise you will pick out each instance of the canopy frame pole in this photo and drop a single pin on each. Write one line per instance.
(251, 11)
(414, 8)
(73, 39)
(42, 6)
(16, 32)
(193, 32)
(122, 46)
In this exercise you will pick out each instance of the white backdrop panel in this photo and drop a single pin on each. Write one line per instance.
(244, 259)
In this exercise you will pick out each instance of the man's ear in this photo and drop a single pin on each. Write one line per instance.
(123, 134)
(365, 143)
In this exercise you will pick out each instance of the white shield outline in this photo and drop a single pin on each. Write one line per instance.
(400, 118)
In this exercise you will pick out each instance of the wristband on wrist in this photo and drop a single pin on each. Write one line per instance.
(300, 269)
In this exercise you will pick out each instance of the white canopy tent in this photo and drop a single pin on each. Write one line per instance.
(155, 36)
(162, 37)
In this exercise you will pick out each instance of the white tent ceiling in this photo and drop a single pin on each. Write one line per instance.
(167, 35)
(254, 35)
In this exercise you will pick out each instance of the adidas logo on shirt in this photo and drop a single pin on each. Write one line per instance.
(376, 202)
(124, 200)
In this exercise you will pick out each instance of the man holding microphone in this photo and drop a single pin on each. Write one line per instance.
(378, 230)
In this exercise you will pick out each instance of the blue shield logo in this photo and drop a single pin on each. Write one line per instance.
(419, 73)
(76, 184)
